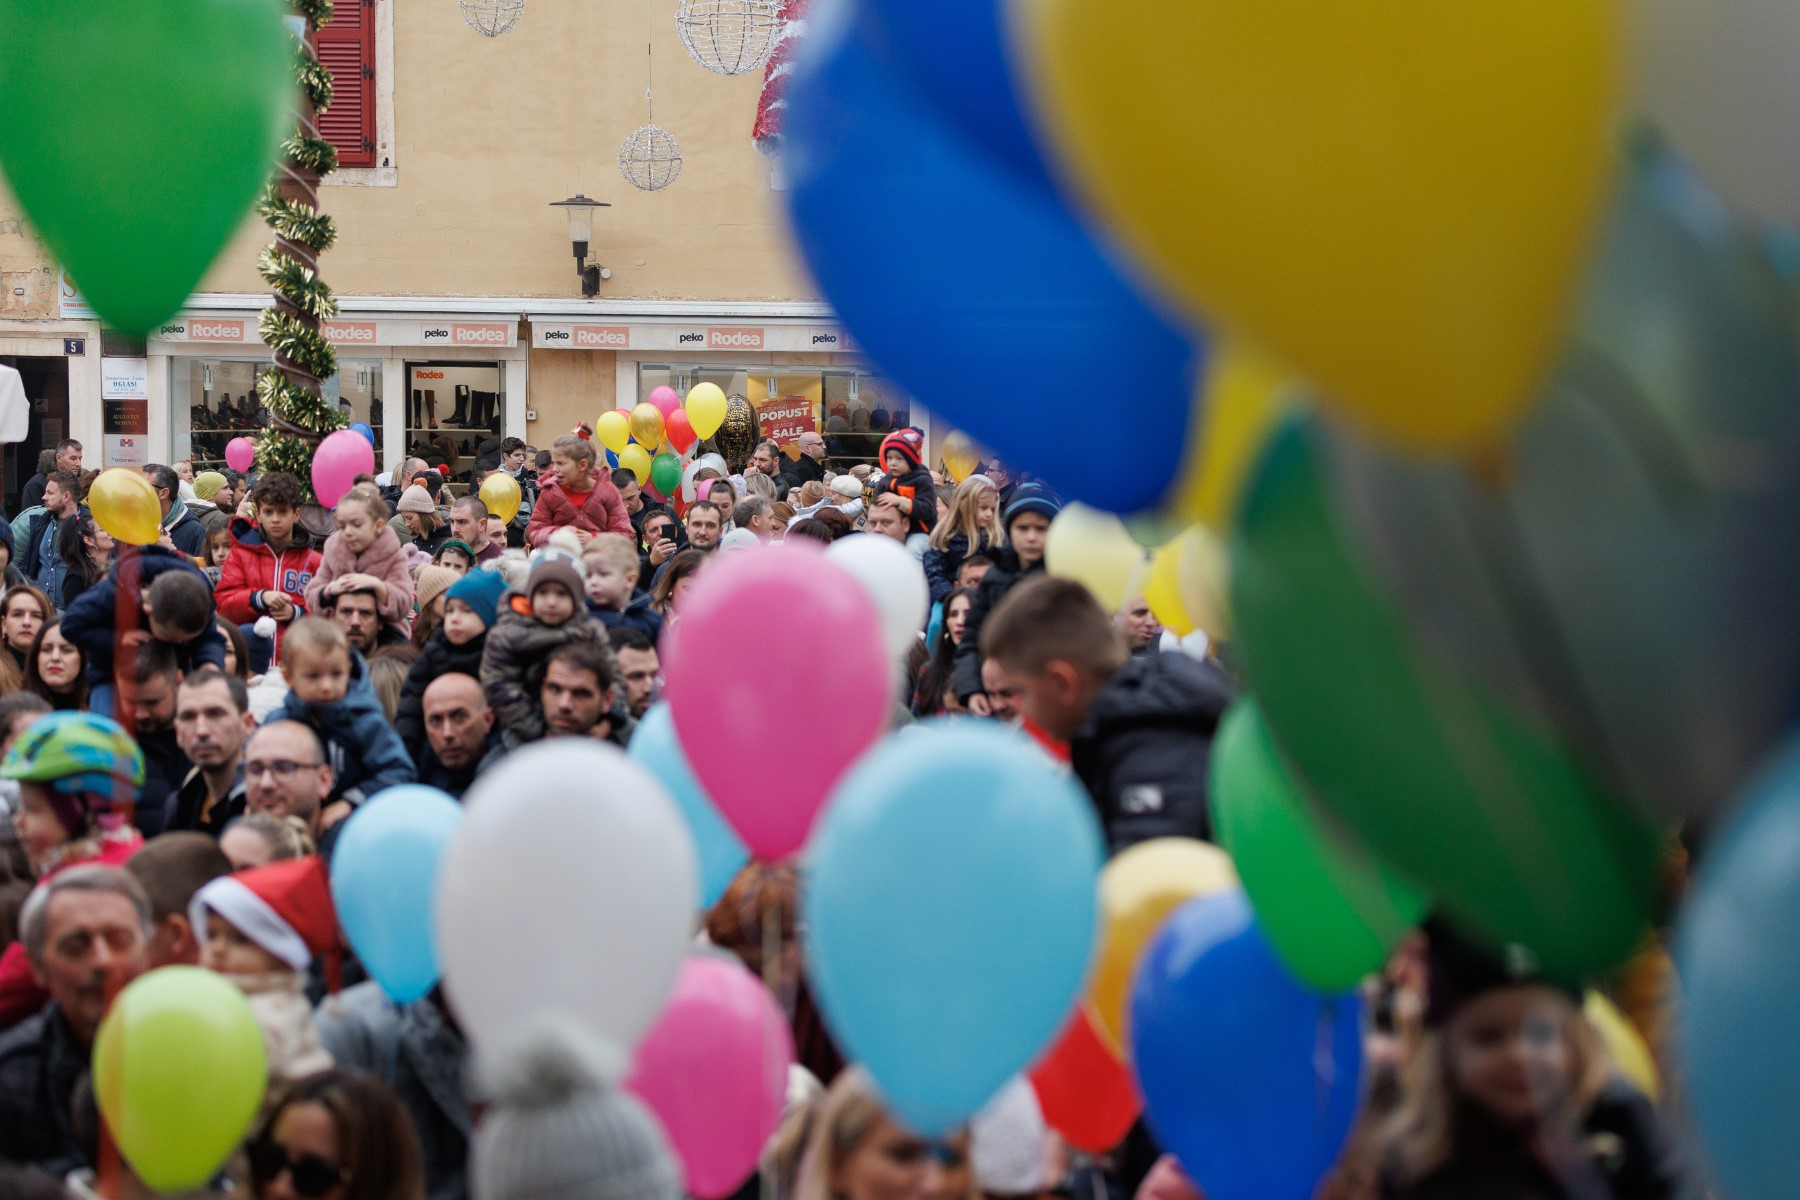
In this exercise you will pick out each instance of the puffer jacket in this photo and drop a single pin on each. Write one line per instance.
(941, 566)
(512, 668)
(438, 657)
(384, 559)
(1144, 751)
(366, 752)
(602, 512)
(999, 580)
(91, 621)
(253, 568)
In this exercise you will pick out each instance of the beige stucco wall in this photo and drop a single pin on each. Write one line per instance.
(568, 386)
(489, 131)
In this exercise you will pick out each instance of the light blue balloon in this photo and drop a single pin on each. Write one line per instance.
(1249, 1079)
(949, 910)
(721, 855)
(1737, 947)
(363, 429)
(384, 881)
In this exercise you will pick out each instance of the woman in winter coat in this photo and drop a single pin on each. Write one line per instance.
(364, 555)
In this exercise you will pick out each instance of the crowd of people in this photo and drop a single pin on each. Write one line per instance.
(187, 725)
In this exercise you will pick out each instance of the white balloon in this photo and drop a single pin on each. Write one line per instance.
(894, 580)
(567, 892)
(1719, 78)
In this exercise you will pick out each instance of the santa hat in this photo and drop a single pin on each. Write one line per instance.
(909, 442)
(284, 907)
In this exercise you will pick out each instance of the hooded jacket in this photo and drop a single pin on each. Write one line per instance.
(640, 614)
(1144, 751)
(253, 567)
(384, 559)
(366, 752)
(999, 580)
(89, 622)
(513, 665)
(602, 512)
(184, 529)
(438, 657)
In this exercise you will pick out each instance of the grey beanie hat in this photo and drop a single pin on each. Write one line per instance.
(556, 1131)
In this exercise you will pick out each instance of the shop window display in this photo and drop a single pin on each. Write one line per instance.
(853, 409)
(214, 400)
(452, 408)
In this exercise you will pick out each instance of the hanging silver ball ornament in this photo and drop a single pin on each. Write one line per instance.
(491, 18)
(650, 159)
(729, 37)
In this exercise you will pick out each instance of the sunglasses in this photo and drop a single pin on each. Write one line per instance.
(310, 1174)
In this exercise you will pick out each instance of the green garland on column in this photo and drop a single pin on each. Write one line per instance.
(290, 390)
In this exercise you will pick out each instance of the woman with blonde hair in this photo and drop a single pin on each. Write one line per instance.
(846, 1146)
(973, 527)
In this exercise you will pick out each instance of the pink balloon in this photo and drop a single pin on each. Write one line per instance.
(821, 691)
(340, 458)
(240, 453)
(665, 399)
(714, 1071)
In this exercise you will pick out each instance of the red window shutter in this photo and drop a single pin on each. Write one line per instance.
(346, 45)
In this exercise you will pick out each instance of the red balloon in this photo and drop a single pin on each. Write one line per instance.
(679, 430)
(1087, 1095)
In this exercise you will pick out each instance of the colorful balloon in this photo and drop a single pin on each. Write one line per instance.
(959, 454)
(613, 428)
(886, 195)
(1086, 1093)
(1421, 126)
(179, 1074)
(384, 875)
(1512, 833)
(1251, 1080)
(721, 855)
(665, 472)
(337, 461)
(714, 1071)
(647, 425)
(500, 493)
(949, 913)
(361, 430)
(637, 460)
(1636, 590)
(240, 453)
(607, 918)
(679, 430)
(1096, 550)
(1330, 910)
(1138, 890)
(705, 408)
(158, 137)
(1624, 1044)
(1243, 397)
(124, 504)
(666, 399)
(894, 580)
(758, 607)
(1162, 590)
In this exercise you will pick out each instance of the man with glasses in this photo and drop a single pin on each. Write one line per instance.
(808, 467)
(286, 775)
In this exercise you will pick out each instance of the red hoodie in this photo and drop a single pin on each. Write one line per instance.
(252, 568)
(603, 512)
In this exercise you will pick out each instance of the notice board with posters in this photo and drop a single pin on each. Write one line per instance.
(785, 418)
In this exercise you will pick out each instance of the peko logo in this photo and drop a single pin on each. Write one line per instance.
(350, 331)
(556, 335)
(603, 337)
(216, 331)
(734, 339)
(691, 337)
(440, 334)
(825, 339)
(171, 331)
(479, 335)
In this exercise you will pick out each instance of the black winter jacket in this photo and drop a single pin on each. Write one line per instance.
(438, 657)
(1144, 751)
(994, 585)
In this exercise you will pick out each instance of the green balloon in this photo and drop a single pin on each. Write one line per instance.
(1469, 797)
(137, 133)
(179, 1072)
(665, 474)
(1332, 911)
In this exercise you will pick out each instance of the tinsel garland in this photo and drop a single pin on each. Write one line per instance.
(291, 389)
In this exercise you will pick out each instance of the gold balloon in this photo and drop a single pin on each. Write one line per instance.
(124, 504)
(500, 492)
(614, 430)
(1138, 890)
(705, 406)
(646, 426)
(737, 434)
(959, 454)
(1624, 1044)
(1095, 549)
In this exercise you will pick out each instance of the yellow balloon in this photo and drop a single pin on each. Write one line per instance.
(1095, 549)
(1624, 1043)
(646, 426)
(124, 504)
(614, 430)
(636, 459)
(1397, 197)
(959, 455)
(1138, 889)
(705, 406)
(500, 492)
(1202, 567)
(1242, 397)
(1163, 590)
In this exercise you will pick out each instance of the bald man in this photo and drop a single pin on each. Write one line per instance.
(460, 727)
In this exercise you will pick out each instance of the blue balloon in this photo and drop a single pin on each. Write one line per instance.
(383, 880)
(612, 460)
(1737, 947)
(1248, 1078)
(949, 913)
(721, 855)
(975, 288)
(368, 434)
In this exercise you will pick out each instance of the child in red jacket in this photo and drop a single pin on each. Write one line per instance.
(271, 560)
(580, 498)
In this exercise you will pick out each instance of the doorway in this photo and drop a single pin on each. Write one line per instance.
(46, 383)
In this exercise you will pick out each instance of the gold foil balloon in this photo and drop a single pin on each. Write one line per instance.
(646, 425)
(959, 454)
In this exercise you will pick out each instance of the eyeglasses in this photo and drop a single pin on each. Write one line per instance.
(310, 1174)
(281, 769)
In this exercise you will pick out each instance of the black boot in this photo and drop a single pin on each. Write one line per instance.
(418, 408)
(461, 416)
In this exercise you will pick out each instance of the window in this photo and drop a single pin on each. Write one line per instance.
(213, 400)
(346, 46)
